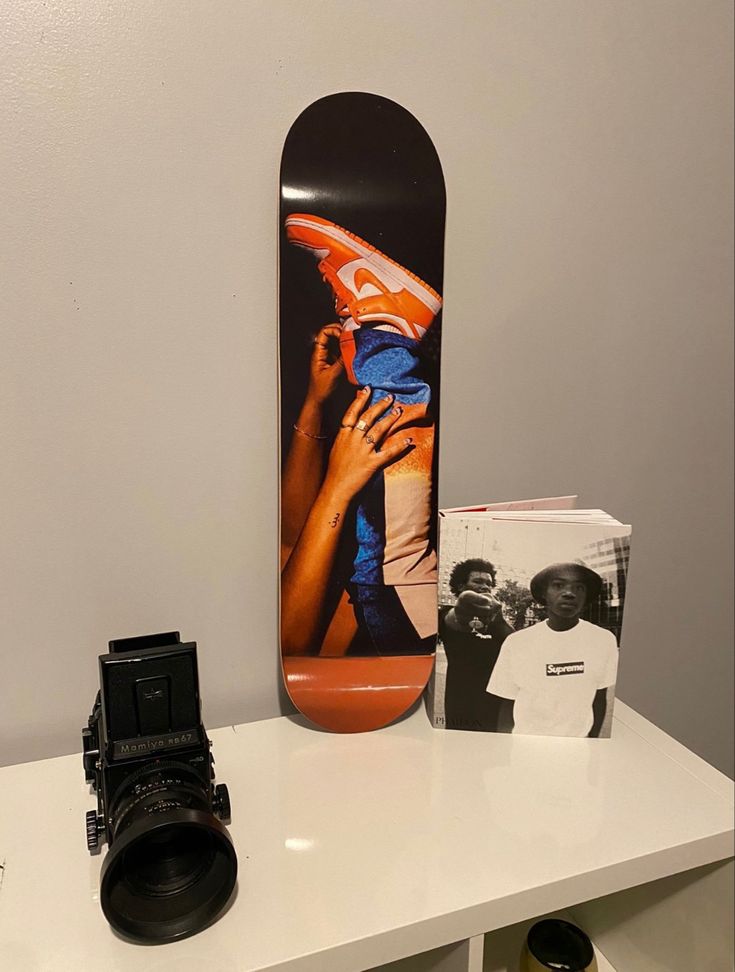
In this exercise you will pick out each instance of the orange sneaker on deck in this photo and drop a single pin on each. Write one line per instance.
(369, 287)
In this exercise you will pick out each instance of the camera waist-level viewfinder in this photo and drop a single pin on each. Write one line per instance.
(171, 866)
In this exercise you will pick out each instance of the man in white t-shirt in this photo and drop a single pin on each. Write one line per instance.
(557, 672)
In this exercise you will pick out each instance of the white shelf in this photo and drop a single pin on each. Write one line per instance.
(501, 952)
(358, 850)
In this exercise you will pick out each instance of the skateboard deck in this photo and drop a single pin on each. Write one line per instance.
(361, 250)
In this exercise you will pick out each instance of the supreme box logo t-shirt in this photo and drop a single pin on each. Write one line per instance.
(553, 676)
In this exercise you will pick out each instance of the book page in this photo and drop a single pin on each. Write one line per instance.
(547, 503)
(557, 516)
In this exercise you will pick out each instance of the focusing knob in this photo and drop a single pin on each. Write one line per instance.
(94, 829)
(221, 802)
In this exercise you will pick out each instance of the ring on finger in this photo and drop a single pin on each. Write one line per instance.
(361, 425)
(345, 425)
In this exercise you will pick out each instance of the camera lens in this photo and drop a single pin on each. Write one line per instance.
(168, 861)
(171, 866)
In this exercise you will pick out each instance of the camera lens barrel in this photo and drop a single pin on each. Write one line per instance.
(171, 865)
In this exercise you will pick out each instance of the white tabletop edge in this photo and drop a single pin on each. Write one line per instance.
(439, 930)
(703, 771)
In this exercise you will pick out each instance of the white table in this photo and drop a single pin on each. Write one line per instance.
(357, 850)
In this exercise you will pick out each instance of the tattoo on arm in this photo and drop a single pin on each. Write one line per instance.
(335, 520)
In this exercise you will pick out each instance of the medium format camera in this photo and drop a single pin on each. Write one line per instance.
(171, 867)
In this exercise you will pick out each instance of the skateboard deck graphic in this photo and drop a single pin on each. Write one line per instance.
(361, 250)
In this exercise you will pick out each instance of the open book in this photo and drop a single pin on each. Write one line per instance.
(531, 598)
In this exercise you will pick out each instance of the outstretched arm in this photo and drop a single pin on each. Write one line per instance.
(471, 605)
(304, 466)
(355, 457)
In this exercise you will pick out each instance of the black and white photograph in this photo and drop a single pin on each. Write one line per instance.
(530, 621)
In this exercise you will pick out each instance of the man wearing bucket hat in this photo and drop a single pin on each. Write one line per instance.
(557, 672)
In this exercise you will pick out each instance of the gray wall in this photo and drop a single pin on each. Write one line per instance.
(587, 152)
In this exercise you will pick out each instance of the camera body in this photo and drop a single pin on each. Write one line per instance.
(148, 709)
(171, 865)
